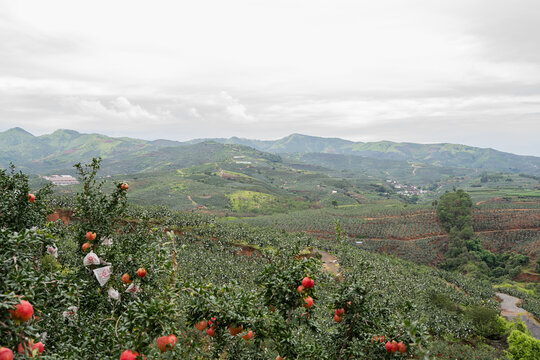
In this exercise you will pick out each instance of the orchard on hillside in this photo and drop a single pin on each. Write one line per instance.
(156, 285)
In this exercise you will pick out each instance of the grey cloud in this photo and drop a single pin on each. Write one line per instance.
(509, 29)
(486, 92)
(28, 52)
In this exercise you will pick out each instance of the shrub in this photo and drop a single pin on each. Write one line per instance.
(486, 321)
(16, 211)
(522, 346)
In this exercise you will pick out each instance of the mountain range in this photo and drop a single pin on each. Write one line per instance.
(61, 149)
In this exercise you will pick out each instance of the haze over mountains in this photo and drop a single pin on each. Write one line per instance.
(63, 148)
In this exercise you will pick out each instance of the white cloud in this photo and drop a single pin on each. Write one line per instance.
(195, 113)
(235, 109)
(119, 108)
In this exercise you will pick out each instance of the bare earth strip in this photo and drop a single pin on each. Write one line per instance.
(330, 262)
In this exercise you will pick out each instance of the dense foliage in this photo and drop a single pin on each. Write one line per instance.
(17, 210)
(455, 210)
(465, 250)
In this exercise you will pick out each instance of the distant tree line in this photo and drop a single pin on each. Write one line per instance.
(527, 176)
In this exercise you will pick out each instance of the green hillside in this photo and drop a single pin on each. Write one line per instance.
(64, 147)
(61, 149)
(250, 185)
(446, 155)
(227, 178)
(355, 165)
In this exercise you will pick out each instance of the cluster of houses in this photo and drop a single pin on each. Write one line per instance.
(405, 189)
(239, 161)
(62, 180)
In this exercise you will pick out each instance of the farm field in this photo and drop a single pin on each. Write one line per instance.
(495, 187)
(414, 232)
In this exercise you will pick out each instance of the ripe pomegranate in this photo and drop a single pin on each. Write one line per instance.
(337, 318)
(201, 325)
(91, 236)
(20, 348)
(6, 354)
(30, 347)
(125, 279)
(23, 311)
(130, 355)
(309, 302)
(165, 343)
(211, 331)
(39, 346)
(307, 283)
(340, 312)
(248, 336)
(86, 246)
(391, 347)
(141, 272)
(402, 348)
(31, 197)
(211, 321)
(124, 186)
(235, 330)
(300, 288)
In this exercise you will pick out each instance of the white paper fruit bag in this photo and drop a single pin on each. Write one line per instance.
(52, 250)
(91, 259)
(113, 294)
(70, 313)
(133, 289)
(103, 274)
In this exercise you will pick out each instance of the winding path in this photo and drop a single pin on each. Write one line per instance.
(510, 309)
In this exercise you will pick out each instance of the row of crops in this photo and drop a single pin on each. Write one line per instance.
(395, 224)
(525, 242)
(427, 251)
(504, 219)
(396, 283)
(430, 250)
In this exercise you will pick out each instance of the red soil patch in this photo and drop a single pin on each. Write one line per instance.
(65, 215)
(246, 250)
(528, 277)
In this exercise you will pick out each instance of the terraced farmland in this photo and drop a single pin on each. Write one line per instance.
(415, 233)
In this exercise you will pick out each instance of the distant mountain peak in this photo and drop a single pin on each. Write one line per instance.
(66, 131)
(17, 130)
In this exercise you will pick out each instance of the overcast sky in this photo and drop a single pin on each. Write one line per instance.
(418, 71)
